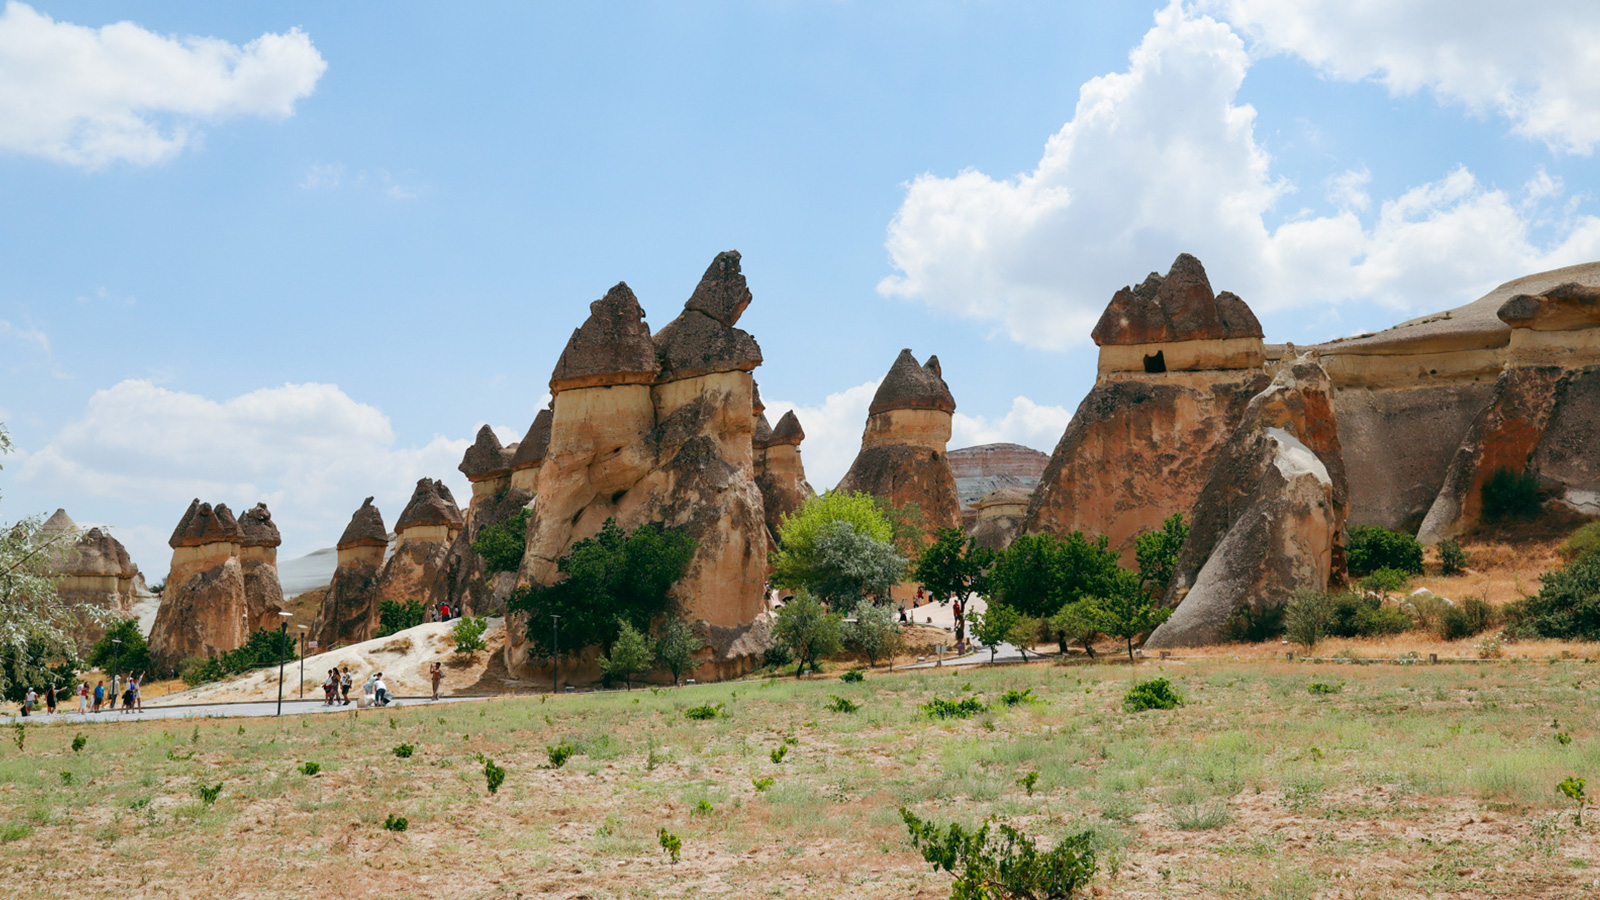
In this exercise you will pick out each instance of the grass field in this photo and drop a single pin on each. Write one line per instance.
(1416, 781)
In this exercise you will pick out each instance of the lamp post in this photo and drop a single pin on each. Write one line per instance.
(302, 661)
(555, 654)
(283, 631)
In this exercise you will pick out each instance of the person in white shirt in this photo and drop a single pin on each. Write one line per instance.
(381, 691)
(83, 697)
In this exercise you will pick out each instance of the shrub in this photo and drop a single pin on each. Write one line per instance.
(1572, 788)
(1568, 604)
(1473, 617)
(703, 808)
(208, 795)
(840, 704)
(853, 676)
(1375, 618)
(1014, 697)
(670, 843)
(966, 708)
(1453, 559)
(1307, 617)
(779, 753)
(1386, 581)
(777, 657)
(703, 711)
(404, 751)
(1201, 817)
(1028, 781)
(398, 615)
(501, 546)
(1492, 646)
(468, 634)
(1373, 548)
(310, 768)
(1322, 687)
(1156, 693)
(493, 775)
(761, 784)
(396, 823)
(1581, 543)
(1251, 625)
(78, 743)
(1510, 494)
(67, 778)
(1007, 865)
(559, 753)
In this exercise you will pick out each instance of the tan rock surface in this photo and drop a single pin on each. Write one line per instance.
(349, 609)
(201, 615)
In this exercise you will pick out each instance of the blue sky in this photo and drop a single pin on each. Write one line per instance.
(299, 252)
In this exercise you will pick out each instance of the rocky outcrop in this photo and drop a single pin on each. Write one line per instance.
(531, 450)
(779, 472)
(987, 468)
(349, 611)
(423, 535)
(661, 430)
(94, 572)
(258, 558)
(1141, 444)
(903, 457)
(1541, 416)
(487, 466)
(468, 584)
(204, 610)
(999, 517)
(1270, 519)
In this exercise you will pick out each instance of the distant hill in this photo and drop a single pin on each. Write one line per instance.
(989, 467)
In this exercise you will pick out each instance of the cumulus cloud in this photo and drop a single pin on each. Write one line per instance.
(1537, 65)
(89, 97)
(1161, 159)
(309, 451)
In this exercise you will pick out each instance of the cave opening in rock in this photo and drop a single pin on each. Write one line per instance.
(1155, 362)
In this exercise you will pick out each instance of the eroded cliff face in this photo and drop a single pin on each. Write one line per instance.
(1270, 519)
(660, 429)
(1140, 446)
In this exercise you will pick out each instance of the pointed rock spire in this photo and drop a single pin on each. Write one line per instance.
(788, 431)
(485, 458)
(611, 347)
(763, 435)
(911, 386)
(258, 528)
(536, 443)
(1179, 307)
(365, 528)
(702, 339)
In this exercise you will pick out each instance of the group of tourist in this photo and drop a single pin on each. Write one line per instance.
(336, 688)
(90, 700)
(442, 613)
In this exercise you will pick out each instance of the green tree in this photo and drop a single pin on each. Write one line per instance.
(837, 547)
(851, 566)
(1075, 622)
(398, 615)
(501, 545)
(808, 631)
(1568, 603)
(873, 630)
(1040, 573)
(1024, 634)
(676, 646)
(1157, 554)
(615, 575)
(993, 626)
(1127, 611)
(630, 653)
(953, 566)
(1372, 548)
(130, 656)
(468, 634)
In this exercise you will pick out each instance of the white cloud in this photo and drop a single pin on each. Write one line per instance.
(308, 450)
(1160, 159)
(1536, 64)
(1026, 423)
(32, 336)
(89, 97)
(332, 176)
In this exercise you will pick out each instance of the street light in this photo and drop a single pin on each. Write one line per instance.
(302, 661)
(283, 632)
(555, 654)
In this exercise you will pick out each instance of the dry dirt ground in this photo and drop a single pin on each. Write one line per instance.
(1404, 781)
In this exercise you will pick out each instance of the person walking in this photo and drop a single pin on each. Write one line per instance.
(29, 701)
(330, 687)
(345, 680)
(83, 698)
(436, 674)
(138, 691)
(99, 694)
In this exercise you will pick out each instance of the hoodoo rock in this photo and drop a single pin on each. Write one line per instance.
(1178, 364)
(779, 471)
(531, 451)
(1270, 519)
(203, 609)
(1542, 416)
(487, 466)
(349, 612)
(423, 535)
(999, 517)
(902, 458)
(662, 430)
(94, 570)
(258, 558)
(497, 497)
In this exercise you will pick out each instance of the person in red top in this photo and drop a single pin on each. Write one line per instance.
(444, 612)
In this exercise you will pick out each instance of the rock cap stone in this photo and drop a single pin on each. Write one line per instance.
(431, 504)
(258, 529)
(763, 433)
(204, 524)
(535, 444)
(1565, 307)
(58, 522)
(1179, 307)
(485, 459)
(365, 528)
(1006, 496)
(611, 347)
(98, 553)
(722, 292)
(788, 431)
(912, 386)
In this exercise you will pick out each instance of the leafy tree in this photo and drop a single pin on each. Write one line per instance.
(468, 634)
(1073, 622)
(907, 523)
(1024, 633)
(130, 656)
(676, 646)
(1040, 573)
(398, 615)
(1568, 603)
(954, 566)
(1157, 554)
(838, 547)
(615, 575)
(1127, 611)
(994, 626)
(630, 653)
(1373, 548)
(808, 630)
(875, 631)
(501, 545)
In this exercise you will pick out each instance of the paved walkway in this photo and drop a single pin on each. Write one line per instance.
(214, 710)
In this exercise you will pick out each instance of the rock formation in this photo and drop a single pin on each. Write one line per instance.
(423, 535)
(528, 459)
(1177, 366)
(349, 612)
(1542, 416)
(94, 570)
(1270, 519)
(203, 610)
(999, 516)
(902, 457)
(468, 584)
(258, 558)
(779, 473)
(661, 430)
